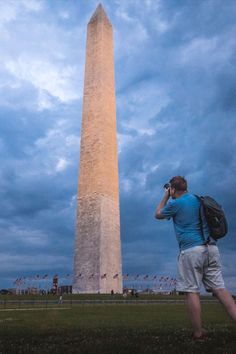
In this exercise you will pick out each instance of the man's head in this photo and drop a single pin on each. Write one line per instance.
(178, 186)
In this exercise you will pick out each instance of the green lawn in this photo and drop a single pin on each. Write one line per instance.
(91, 297)
(98, 297)
(89, 329)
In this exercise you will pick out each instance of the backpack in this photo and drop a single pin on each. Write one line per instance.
(215, 217)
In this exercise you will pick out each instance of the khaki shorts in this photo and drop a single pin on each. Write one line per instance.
(199, 265)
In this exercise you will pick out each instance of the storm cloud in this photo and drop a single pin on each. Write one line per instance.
(176, 103)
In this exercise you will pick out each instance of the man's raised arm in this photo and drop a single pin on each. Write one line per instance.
(162, 204)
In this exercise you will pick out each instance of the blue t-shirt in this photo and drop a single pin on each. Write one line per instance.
(185, 213)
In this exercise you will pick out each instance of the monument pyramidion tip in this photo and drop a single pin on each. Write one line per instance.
(99, 15)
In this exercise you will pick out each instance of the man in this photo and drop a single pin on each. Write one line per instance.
(199, 259)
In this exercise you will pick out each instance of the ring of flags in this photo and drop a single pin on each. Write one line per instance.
(158, 281)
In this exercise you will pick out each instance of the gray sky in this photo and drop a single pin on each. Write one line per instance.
(176, 102)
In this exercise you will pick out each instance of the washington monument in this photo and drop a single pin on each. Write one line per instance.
(97, 263)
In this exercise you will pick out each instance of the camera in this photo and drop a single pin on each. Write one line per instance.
(166, 186)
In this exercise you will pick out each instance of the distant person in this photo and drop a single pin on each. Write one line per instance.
(60, 300)
(199, 258)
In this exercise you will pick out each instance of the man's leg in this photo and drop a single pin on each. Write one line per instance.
(194, 308)
(227, 301)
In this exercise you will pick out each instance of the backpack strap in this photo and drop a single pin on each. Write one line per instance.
(206, 241)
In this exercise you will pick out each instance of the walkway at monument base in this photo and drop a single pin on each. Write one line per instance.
(53, 304)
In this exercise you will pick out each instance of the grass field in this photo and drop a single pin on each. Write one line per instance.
(91, 297)
(89, 329)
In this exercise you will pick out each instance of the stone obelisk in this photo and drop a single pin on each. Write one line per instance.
(97, 264)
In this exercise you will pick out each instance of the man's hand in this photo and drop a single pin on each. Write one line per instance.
(162, 204)
(167, 192)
